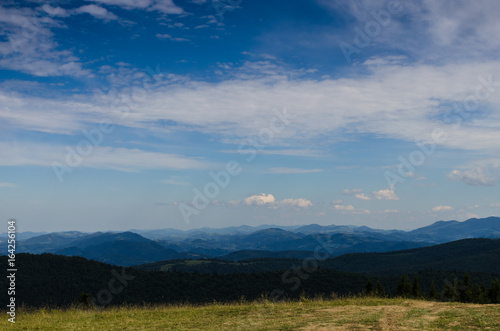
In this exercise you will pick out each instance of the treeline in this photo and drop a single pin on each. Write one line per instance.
(54, 280)
(454, 290)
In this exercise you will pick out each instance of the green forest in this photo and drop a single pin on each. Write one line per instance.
(58, 281)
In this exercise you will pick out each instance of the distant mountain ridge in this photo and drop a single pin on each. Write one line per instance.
(472, 255)
(472, 228)
(236, 243)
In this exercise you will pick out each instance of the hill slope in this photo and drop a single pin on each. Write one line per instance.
(473, 255)
(123, 249)
(480, 255)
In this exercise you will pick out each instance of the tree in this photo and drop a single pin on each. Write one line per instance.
(465, 290)
(451, 290)
(84, 301)
(404, 287)
(415, 289)
(369, 287)
(483, 294)
(432, 291)
(380, 290)
(494, 292)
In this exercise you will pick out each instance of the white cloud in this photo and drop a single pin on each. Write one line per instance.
(97, 12)
(102, 157)
(269, 200)
(344, 207)
(384, 103)
(127, 4)
(166, 7)
(442, 208)
(55, 11)
(35, 53)
(434, 30)
(337, 202)
(163, 6)
(175, 181)
(349, 209)
(474, 177)
(362, 196)
(7, 185)
(302, 203)
(259, 199)
(169, 37)
(284, 152)
(391, 211)
(293, 171)
(352, 191)
(386, 194)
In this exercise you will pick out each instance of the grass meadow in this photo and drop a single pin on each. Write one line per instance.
(362, 313)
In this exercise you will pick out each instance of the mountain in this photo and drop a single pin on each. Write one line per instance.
(123, 249)
(466, 255)
(179, 235)
(22, 235)
(254, 242)
(444, 231)
(259, 254)
(275, 240)
(479, 255)
(104, 237)
(48, 242)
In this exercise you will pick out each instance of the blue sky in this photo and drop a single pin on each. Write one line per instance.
(120, 114)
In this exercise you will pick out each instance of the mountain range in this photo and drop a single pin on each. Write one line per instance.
(466, 255)
(237, 243)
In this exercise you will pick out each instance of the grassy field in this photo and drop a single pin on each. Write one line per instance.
(338, 314)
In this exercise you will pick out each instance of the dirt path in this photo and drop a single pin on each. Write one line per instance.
(410, 315)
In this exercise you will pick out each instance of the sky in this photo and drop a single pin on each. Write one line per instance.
(151, 114)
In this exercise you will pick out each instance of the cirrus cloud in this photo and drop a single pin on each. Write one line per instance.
(473, 177)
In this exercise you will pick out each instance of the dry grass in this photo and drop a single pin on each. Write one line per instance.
(338, 314)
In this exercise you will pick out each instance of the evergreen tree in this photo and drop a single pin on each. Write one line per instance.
(369, 287)
(432, 291)
(450, 290)
(415, 289)
(465, 290)
(404, 287)
(494, 292)
(483, 294)
(84, 301)
(380, 290)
